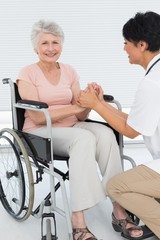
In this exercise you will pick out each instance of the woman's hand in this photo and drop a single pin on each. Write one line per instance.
(78, 108)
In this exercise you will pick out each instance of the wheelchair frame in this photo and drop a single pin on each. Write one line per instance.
(24, 206)
(25, 151)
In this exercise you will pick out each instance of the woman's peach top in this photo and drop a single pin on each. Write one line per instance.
(56, 96)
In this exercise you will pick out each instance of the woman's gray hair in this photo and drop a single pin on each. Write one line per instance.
(46, 27)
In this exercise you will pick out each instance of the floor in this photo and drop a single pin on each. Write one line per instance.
(98, 218)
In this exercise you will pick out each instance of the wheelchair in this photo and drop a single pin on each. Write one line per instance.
(25, 158)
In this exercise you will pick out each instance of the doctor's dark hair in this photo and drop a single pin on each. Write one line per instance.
(144, 27)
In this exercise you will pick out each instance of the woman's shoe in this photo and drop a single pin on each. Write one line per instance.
(81, 232)
(120, 226)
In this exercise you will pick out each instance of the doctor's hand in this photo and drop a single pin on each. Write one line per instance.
(90, 98)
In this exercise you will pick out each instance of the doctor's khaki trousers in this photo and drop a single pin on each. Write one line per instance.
(86, 144)
(138, 190)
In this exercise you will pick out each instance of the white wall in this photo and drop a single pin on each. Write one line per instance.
(93, 40)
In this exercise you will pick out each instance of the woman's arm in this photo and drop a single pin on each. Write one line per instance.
(29, 92)
(76, 91)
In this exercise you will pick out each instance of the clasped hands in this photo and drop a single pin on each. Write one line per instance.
(89, 97)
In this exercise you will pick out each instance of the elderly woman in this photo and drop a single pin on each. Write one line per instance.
(85, 143)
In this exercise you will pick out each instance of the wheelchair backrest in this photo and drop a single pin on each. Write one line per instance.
(19, 112)
(37, 147)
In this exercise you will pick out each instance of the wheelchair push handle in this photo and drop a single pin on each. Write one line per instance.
(5, 80)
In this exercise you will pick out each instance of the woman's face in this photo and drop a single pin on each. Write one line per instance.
(49, 47)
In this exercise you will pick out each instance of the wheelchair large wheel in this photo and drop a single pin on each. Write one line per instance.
(16, 178)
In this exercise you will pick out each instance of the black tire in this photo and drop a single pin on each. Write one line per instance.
(16, 178)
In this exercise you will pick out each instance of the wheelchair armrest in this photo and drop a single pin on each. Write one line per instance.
(108, 98)
(34, 104)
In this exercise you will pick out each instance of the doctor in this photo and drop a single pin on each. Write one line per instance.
(138, 189)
